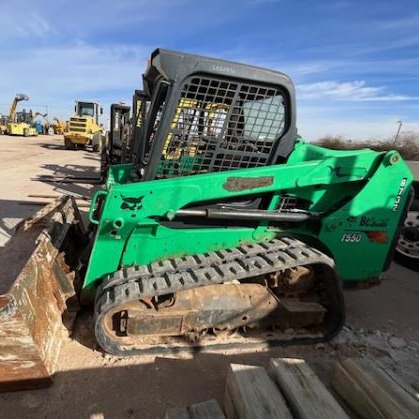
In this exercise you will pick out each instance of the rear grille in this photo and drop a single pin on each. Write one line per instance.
(78, 124)
(73, 129)
(222, 125)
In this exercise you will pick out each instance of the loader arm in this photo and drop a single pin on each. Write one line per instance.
(364, 186)
(18, 98)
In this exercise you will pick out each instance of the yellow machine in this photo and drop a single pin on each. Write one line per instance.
(59, 126)
(19, 123)
(84, 128)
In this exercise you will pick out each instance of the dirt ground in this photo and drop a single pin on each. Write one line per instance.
(381, 321)
(21, 160)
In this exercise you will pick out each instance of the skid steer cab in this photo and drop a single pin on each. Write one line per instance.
(223, 228)
(84, 128)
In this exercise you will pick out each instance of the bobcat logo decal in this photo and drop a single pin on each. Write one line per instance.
(132, 203)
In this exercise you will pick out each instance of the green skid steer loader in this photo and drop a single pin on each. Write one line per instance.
(227, 228)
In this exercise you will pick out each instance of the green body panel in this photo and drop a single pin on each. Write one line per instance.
(361, 195)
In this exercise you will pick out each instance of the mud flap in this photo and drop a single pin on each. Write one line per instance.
(37, 295)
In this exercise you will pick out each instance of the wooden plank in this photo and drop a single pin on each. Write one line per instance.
(253, 394)
(177, 413)
(229, 408)
(305, 393)
(398, 380)
(371, 392)
(354, 395)
(206, 410)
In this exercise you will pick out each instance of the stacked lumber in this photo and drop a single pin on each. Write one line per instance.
(251, 393)
(372, 391)
(290, 389)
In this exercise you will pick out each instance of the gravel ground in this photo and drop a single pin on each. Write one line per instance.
(381, 321)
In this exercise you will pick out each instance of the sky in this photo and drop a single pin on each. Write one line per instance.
(355, 63)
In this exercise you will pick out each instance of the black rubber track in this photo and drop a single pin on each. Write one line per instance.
(173, 275)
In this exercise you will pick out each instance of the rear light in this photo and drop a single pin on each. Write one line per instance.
(377, 236)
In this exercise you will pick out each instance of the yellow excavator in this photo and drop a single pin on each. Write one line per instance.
(19, 123)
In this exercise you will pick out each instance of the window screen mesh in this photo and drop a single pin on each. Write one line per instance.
(222, 125)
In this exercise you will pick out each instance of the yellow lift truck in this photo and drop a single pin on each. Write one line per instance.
(19, 123)
(84, 128)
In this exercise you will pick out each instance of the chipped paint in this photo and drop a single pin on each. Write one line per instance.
(237, 184)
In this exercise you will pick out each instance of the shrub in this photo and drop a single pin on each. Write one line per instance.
(407, 144)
